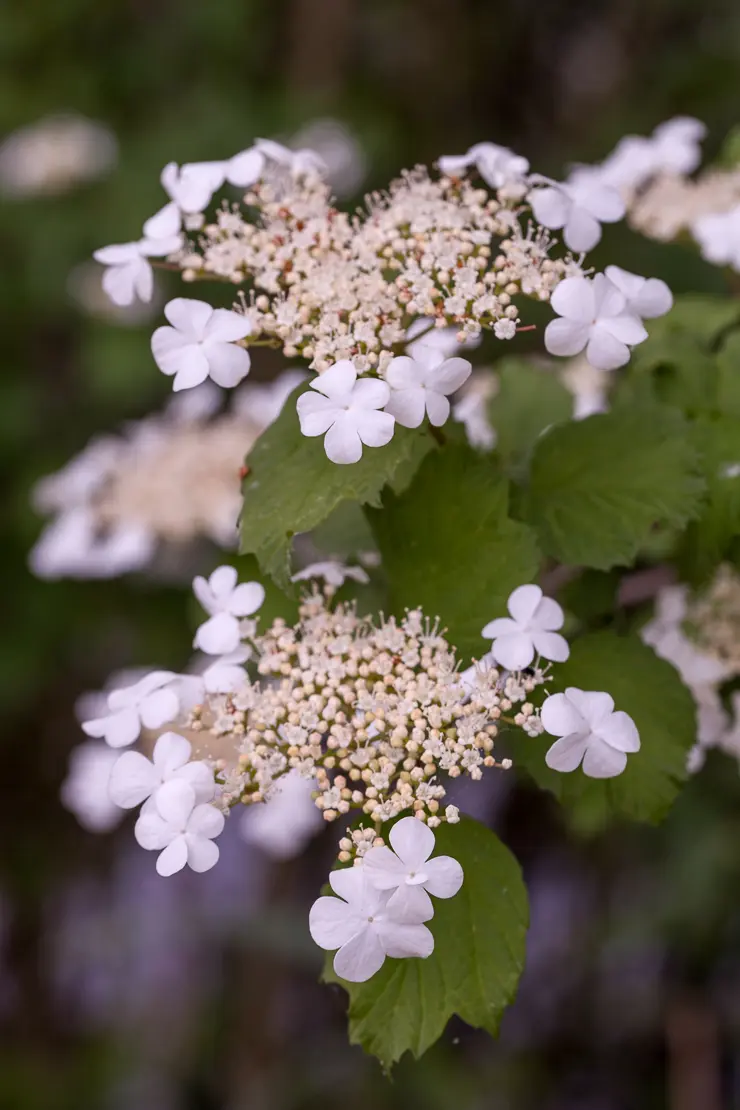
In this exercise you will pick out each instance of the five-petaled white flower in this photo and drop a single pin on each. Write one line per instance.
(595, 316)
(303, 161)
(333, 573)
(227, 603)
(201, 341)
(408, 871)
(149, 703)
(128, 275)
(179, 829)
(192, 185)
(136, 778)
(590, 732)
(423, 384)
(645, 297)
(532, 628)
(345, 411)
(497, 165)
(361, 926)
(579, 205)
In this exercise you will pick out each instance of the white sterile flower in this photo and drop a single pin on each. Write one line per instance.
(85, 790)
(304, 161)
(181, 830)
(645, 297)
(580, 205)
(149, 703)
(718, 235)
(497, 165)
(129, 275)
(72, 546)
(408, 871)
(284, 824)
(201, 342)
(361, 926)
(590, 732)
(345, 411)
(595, 316)
(192, 185)
(673, 148)
(226, 673)
(333, 573)
(422, 385)
(227, 604)
(531, 628)
(135, 778)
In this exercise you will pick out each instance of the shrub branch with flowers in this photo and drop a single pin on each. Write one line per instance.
(467, 667)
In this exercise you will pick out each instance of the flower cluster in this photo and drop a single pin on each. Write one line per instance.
(346, 292)
(121, 499)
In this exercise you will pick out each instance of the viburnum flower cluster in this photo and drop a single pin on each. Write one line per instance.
(346, 292)
(372, 717)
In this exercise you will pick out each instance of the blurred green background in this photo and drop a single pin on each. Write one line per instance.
(119, 990)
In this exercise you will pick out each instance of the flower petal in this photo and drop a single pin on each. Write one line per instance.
(332, 923)
(246, 599)
(121, 728)
(548, 615)
(627, 329)
(117, 254)
(132, 779)
(560, 716)
(444, 876)
(582, 232)
(412, 841)
(450, 375)
(574, 299)
(227, 364)
(164, 223)
(200, 777)
(618, 730)
(223, 581)
(438, 408)
(551, 646)
(383, 869)
(316, 413)
(604, 202)
(551, 206)
(226, 326)
(410, 905)
(604, 352)
(205, 821)
(173, 858)
(593, 705)
(402, 941)
(514, 651)
(370, 393)
(159, 708)
(119, 283)
(404, 373)
(654, 299)
(601, 761)
(337, 381)
(174, 802)
(219, 635)
(407, 406)
(342, 442)
(202, 854)
(375, 429)
(245, 168)
(565, 338)
(151, 832)
(502, 626)
(171, 752)
(566, 754)
(189, 316)
(523, 602)
(349, 883)
(360, 958)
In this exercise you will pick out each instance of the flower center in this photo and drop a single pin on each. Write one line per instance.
(371, 919)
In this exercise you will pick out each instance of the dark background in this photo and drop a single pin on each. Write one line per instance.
(124, 991)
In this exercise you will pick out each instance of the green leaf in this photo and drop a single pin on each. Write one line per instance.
(599, 486)
(708, 538)
(650, 690)
(699, 315)
(728, 365)
(477, 961)
(528, 401)
(292, 487)
(449, 545)
(729, 155)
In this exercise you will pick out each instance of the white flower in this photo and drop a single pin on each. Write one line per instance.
(264, 402)
(54, 154)
(180, 830)
(72, 546)
(645, 297)
(590, 732)
(579, 205)
(595, 316)
(283, 824)
(227, 602)
(718, 235)
(665, 635)
(191, 186)
(333, 573)
(673, 148)
(129, 275)
(532, 628)
(422, 384)
(135, 778)
(497, 165)
(359, 924)
(347, 411)
(201, 341)
(424, 340)
(85, 790)
(410, 873)
(226, 673)
(149, 703)
(297, 162)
